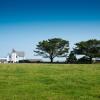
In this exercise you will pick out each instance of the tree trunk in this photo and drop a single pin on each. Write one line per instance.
(90, 59)
(51, 59)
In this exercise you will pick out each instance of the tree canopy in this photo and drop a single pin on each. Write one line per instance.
(51, 48)
(89, 48)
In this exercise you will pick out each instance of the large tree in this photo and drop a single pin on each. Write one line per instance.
(90, 48)
(52, 48)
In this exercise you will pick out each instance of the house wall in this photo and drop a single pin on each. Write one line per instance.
(14, 57)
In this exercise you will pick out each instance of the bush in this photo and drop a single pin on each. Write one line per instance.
(84, 60)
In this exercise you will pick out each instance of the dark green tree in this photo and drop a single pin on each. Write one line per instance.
(72, 58)
(52, 48)
(90, 48)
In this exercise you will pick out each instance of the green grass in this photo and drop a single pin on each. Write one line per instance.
(49, 82)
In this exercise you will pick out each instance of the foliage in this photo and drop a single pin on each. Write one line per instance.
(52, 48)
(71, 58)
(89, 48)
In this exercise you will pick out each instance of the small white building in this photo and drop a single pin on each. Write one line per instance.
(3, 60)
(15, 56)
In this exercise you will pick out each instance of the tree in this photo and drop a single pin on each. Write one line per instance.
(90, 48)
(71, 58)
(52, 48)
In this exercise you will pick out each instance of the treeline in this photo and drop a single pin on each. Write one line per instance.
(57, 47)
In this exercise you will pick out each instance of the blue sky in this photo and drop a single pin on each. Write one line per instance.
(23, 23)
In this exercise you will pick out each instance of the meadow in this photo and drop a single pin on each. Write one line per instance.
(49, 81)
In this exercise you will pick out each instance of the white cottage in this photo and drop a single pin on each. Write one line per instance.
(15, 56)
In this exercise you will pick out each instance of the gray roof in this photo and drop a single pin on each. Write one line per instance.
(3, 59)
(34, 59)
(98, 45)
(19, 53)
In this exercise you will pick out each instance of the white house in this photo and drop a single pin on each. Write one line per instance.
(15, 56)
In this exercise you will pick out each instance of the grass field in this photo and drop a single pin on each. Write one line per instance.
(49, 82)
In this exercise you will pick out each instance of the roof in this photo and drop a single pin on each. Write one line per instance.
(97, 59)
(3, 59)
(98, 45)
(19, 53)
(34, 59)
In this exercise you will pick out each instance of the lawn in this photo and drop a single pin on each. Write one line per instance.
(49, 82)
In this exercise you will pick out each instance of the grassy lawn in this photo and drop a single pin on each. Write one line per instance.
(49, 82)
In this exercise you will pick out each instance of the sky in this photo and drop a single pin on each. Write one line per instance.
(23, 23)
